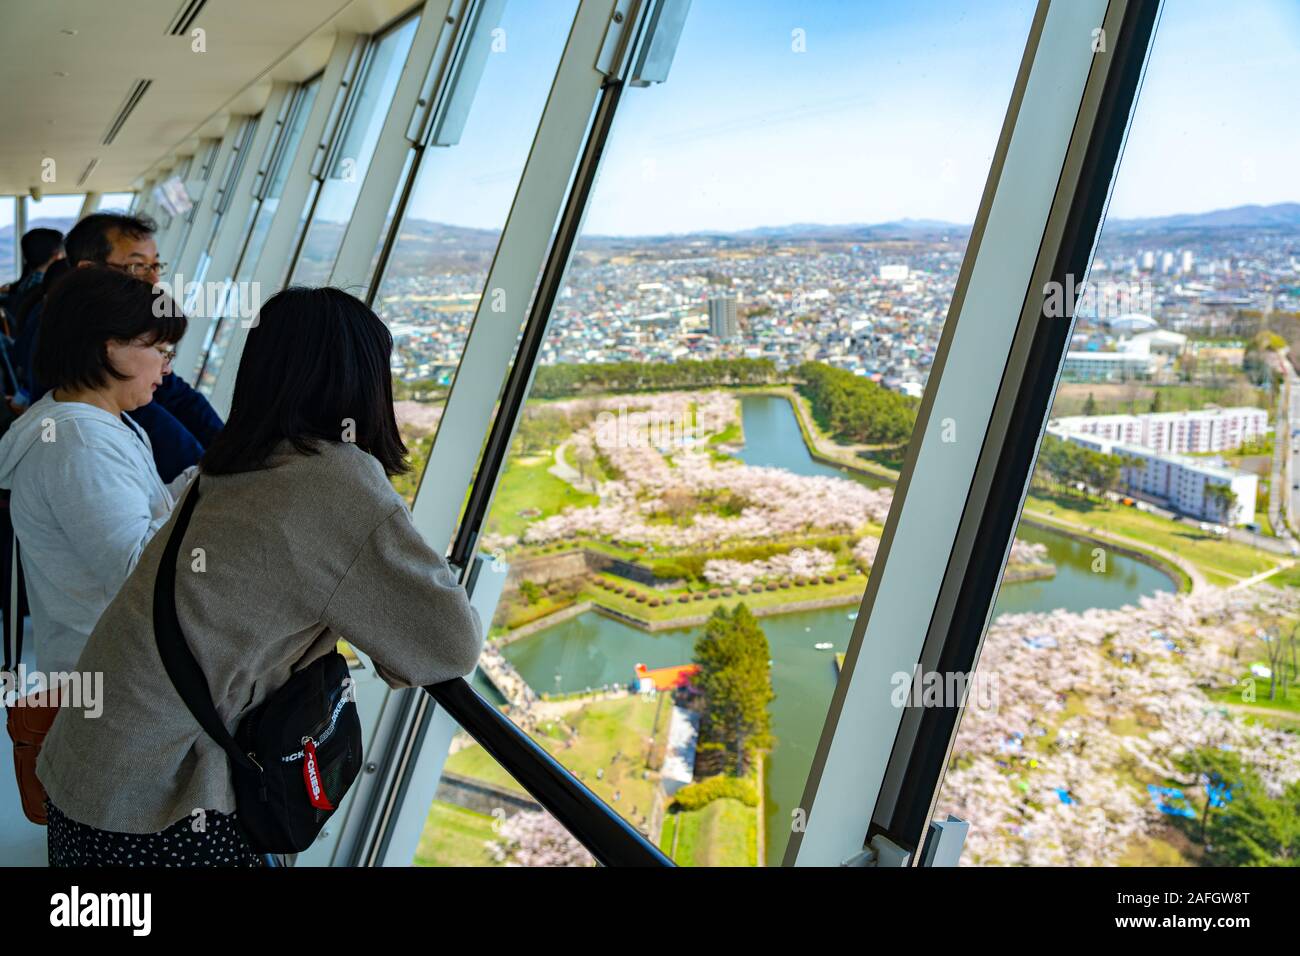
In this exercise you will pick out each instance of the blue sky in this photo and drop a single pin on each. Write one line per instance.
(893, 110)
(1216, 124)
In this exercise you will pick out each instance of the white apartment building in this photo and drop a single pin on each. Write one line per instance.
(1184, 483)
(1203, 430)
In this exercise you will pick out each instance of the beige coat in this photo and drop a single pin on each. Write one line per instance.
(293, 557)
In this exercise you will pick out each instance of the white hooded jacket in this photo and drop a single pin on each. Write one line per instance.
(86, 499)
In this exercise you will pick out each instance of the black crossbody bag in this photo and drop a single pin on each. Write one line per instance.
(294, 756)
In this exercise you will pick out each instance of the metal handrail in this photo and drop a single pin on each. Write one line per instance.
(607, 836)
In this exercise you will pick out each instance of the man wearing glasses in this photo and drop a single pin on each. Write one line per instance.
(179, 421)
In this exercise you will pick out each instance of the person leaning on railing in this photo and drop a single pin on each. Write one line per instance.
(297, 538)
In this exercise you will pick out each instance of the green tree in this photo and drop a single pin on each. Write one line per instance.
(1062, 464)
(854, 408)
(1211, 770)
(736, 681)
(1255, 829)
(1090, 406)
(1245, 826)
(1224, 500)
(556, 381)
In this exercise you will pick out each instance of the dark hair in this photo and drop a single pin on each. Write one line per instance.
(38, 245)
(87, 309)
(89, 240)
(314, 358)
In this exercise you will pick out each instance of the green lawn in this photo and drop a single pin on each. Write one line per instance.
(518, 613)
(1284, 704)
(611, 735)
(724, 833)
(527, 484)
(653, 559)
(1114, 398)
(1223, 561)
(455, 836)
(1289, 577)
(1261, 509)
(728, 435)
(847, 589)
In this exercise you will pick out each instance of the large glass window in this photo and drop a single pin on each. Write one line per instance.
(53, 212)
(9, 251)
(154, 207)
(333, 203)
(434, 275)
(196, 302)
(1140, 705)
(199, 171)
(260, 216)
(117, 202)
(700, 478)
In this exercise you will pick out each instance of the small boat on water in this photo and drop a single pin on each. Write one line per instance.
(824, 646)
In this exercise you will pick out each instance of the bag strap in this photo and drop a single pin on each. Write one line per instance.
(177, 658)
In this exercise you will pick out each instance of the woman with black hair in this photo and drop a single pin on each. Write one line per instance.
(86, 496)
(296, 540)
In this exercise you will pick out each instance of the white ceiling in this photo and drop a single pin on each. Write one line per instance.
(249, 44)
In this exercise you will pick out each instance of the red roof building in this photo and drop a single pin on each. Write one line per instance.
(664, 678)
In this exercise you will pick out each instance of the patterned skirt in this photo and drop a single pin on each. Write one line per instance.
(206, 839)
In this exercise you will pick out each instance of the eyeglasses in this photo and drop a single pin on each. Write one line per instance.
(167, 352)
(139, 269)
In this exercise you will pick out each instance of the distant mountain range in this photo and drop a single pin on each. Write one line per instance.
(1284, 215)
(426, 245)
(1278, 216)
(900, 229)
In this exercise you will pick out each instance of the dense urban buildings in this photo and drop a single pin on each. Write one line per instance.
(868, 299)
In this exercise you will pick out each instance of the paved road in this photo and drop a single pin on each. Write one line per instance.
(1279, 487)
(1262, 576)
(1291, 474)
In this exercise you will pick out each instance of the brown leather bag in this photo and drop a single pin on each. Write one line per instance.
(29, 720)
